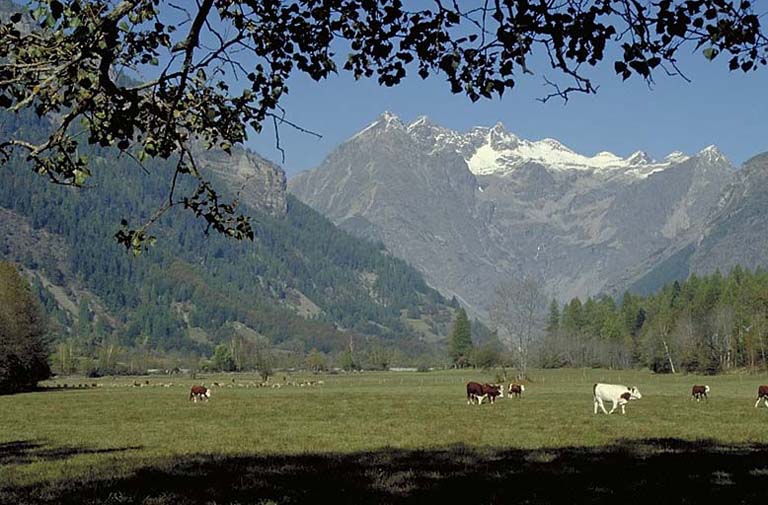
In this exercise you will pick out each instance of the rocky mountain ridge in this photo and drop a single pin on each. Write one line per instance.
(471, 209)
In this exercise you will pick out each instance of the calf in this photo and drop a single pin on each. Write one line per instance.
(762, 394)
(491, 391)
(199, 393)
(616, 393)
(699, 392)
(515, 389)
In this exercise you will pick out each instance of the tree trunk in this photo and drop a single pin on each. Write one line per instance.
(669, 356)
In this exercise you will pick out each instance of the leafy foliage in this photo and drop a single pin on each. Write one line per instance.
(70, 59)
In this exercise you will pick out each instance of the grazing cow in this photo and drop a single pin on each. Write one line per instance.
(199, 393)
(762, 394)
(479, 392)
(515, 389)
(618, 394)
(474, 389)
(699, 392)
(492, 391)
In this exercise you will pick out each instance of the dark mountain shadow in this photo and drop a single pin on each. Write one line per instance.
(21, 452)
(652, 471)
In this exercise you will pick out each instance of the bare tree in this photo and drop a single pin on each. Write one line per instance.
(723, 319)
(518, 314)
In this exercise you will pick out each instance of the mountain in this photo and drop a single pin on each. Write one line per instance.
(301, 284)
(734, 233)
(471, 209)
(737, 232)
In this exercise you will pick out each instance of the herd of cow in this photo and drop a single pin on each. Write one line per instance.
(617, 394)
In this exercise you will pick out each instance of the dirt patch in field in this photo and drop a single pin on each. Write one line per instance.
(653, 471)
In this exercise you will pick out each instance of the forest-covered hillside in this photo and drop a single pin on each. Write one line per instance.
(705, 324)
(301, 284)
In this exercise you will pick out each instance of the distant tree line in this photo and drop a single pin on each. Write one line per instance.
(706, 324)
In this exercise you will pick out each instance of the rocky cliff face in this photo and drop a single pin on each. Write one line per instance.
(737, 232)
(471, 209)
(257, 182)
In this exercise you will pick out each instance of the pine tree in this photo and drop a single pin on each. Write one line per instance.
(553, 321)
(460, 341)
(23, 343)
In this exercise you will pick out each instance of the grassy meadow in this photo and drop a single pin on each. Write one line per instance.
(383, 437)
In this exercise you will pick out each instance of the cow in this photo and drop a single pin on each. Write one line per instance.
(616, 393)
(515, 389)
(479, 392)
(199, 393)
(492, 391)
(699, 392)
(762, 394)
(474, 389)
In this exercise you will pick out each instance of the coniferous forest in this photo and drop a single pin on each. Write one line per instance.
(304, 290)
(192, 290)
(705, 324)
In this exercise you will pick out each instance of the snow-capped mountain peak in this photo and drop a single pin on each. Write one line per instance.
(384, 122)
(389, 117)
(676, 157)
(419, 122)
(554, 144)
(494, 150)
(639, 158)
(493, 159)
(711, 154)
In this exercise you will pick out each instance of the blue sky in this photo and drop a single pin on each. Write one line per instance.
(728, 109)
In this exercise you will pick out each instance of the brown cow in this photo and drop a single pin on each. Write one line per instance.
(199, 393)
(699, 392)
(474, 389)
(491, 391)
(479, 392)
(762, 394)
(515, 389)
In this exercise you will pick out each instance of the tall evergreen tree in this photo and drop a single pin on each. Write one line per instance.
(460, 340)
(23, 345)
(553, 321)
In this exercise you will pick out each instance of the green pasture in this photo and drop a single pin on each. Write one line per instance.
(113, 432)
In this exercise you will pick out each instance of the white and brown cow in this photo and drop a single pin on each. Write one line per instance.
(618, 394)
(762, 394)
(492, 391)
(477, 392)
(515, 389)
(698, 392)
(199, 393)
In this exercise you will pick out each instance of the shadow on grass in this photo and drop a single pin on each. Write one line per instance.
(26, 451)
(652, 471)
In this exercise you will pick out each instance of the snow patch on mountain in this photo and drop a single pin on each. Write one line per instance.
(495, 151)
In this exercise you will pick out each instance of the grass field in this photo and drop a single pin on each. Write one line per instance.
(383, 438)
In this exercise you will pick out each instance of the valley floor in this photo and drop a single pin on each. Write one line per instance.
(383, 438)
